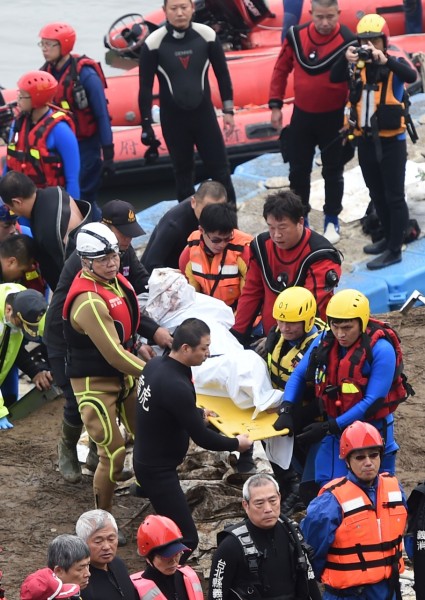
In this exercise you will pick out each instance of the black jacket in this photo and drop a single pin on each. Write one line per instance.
(113, 584)
(169, 238)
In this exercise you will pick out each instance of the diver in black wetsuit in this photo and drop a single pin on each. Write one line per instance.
(179, 53)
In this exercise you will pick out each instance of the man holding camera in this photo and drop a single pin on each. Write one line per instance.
(377, 118)
(310, 50)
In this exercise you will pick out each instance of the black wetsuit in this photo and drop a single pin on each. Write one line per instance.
(277, 573)
(167, 417)
(49, 222)
(188, 119)
(169, 238)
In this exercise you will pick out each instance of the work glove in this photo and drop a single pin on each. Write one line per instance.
(5, 423)
(285, 419)
(148, 135)
(315, 432)
(108, 166)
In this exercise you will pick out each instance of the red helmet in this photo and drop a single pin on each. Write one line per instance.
(357, 436)
(62, 32)
(40, 85)
(156, 531)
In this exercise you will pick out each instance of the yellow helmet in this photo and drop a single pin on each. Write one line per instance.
(349, 304)
(294, 305)
(373, 26)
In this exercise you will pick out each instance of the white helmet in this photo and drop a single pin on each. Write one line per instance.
(95, 240)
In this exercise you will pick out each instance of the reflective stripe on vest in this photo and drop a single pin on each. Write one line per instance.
(368, 542)
(148, 590)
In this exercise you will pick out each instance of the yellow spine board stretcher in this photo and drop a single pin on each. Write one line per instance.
(232, 420)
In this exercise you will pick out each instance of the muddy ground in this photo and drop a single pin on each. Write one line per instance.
(36, 504)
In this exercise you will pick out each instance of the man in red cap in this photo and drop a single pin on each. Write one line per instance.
(44, 585)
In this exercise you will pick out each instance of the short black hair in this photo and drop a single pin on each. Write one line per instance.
(16, 185)
(214, 189)
(20, 246)
(189, 332)
(284, 204)
(218, 217)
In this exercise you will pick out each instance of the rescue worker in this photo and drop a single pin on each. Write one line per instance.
(297, 326)
(169, 238)
(355, 525)
(120, 218)
(377, 120)
(167, 418)
(215, 261)
(21, 314)
(42, 142)
(180, 53)
(81, 90)
(414, 541)
(54, 218)
(356, 369)
(288, 254)
(159, 541)
(263, 556)
(45, 585)
(310, 50)
(101, 316)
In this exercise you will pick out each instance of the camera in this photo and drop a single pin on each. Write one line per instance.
(364, 53)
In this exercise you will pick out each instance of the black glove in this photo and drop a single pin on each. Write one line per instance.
(285, 419)
(108, 166)
(148, 135)
(316, 431)
(241, 337)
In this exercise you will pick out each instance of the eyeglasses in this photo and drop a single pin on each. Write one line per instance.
(47, 44)
(21, 97)
(370, 455)
(220, 240)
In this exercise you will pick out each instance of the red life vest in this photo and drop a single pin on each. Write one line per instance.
(148, 590)
(117, 306)
(84, 119)
(219, 278)
(368, 542)
(27, 152)
(341, 383)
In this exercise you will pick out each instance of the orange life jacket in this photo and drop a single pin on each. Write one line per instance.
(368, 543)
(148, 590)
(27, 152)
(84, 119)
(341, 383)
(219, 278)
(377, 107)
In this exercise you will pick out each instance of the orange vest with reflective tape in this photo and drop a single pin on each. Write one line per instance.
(148, 590)
(368, 542)
(27, 152)
(219, 278)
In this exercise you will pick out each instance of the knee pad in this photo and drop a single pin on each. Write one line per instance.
(96, 420)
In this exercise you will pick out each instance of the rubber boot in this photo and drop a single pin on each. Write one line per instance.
(69, 465)
(289, 484)
(92, 459)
